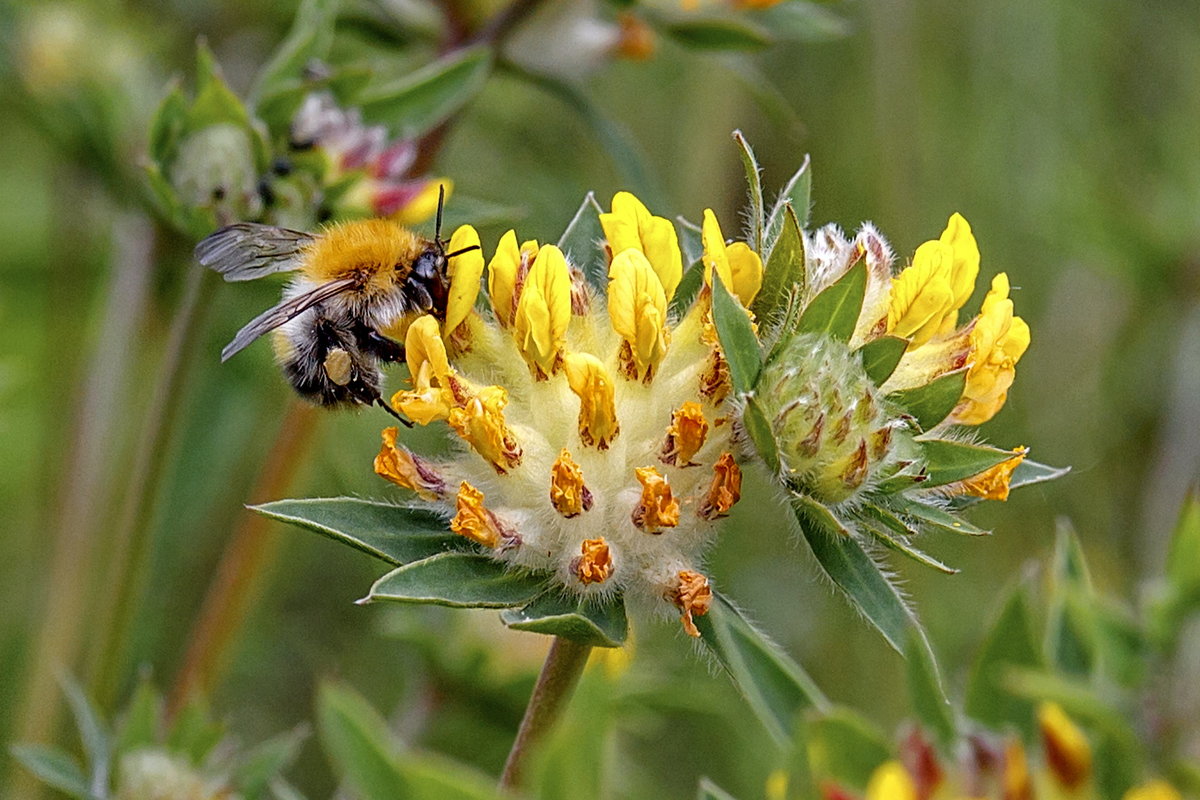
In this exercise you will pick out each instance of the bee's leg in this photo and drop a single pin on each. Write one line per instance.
(368, 395)
(384, 405)
(387, 350)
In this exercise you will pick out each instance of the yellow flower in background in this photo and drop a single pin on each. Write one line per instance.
(740, 268)
(631, 225)
(891, 781)
(1068, 753)
(1154, 790)
(998, 341)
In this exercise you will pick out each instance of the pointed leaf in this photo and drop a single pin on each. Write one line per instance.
(194, 733)
(688, 288)
(1010, 643)
(836, 309)
(1183, 561)
(755, 423)
(420, 100)
(754, 192)
(1030, 472)
(580, 243)
(142, 719)
(738, 342)
(879, 529)
(797, 193)
(53, 767)
(785, 268)
(881, 356)
(1070, 623)
(774, 685)
(430, 776)
(93, 733)
(394, 533)
(358, 744)
(598, 624)
(948, 462)
(718, 33)
(934, 401)
(853, 571)
(310, 37)
(215, 102)
(691, 241)
(708, 790)
(925, 686)
(846, 748)
(261, 765)
(167, 124)
(934, 517)
(461, 580)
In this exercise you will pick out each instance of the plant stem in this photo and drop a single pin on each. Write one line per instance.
(564, 664)
(132, 538)
(247, 558)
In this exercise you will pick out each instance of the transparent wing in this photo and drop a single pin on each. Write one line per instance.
(247, 250)
(273, 317)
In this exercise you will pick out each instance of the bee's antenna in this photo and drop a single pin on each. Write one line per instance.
(437, 226)
(462, 250)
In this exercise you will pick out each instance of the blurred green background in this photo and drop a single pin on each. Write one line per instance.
(1065, 131)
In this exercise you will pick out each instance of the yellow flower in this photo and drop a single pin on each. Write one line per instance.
(637, 306)
(1154, 790)
(965, 268)
(424, 205)
(464, 271)
(506, 271)
(631, 225)
(589, 380)
(685, 436)
(891, 781)
(477, 523)
(1068, 753)
(401, 467)
(692, 595)
(568, 493)
(595, 564)
(480, 422)
(543, 311)
(432, 394)
(926, 295)
(740, 268)
(725, 489)
(658, 508)
(993, 484)
(998, 340)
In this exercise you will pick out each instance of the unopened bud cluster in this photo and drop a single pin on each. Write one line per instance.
(831, 430)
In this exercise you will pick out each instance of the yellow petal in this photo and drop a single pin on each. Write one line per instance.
(966, 259)
(502, 277)
(589, 380)
(544, 311)
(465, 270)
(716, 255)
(993, 484)
(724, 490)
(747, 270)
(637, 307)
(890, 781)
(657, 508)
(431, 397)
(685, 435)
(631, 225)
(424, 205)
(1068, 753)
(1153, 790)
(403, 468)
(595, 564)
(922, 294)
(480, 422)
(692, 595)
(568, 493)
(998, 340)
(423, 345)
(478, 523)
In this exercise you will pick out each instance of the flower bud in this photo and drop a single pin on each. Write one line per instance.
(215, 169)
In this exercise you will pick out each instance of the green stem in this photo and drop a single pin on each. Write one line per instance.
(128, 570)
(564, 664)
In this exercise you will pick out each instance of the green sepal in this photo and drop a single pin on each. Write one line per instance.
(890, 531)
(261, 765)
(139, 725)
(784, 271)
(707, 789)
(759, 429)
(460, 580)
(691, 242)
(754, 191)
(717, 33)
(600, 624)
(945, 461)
(933, 402)
(310, 38)
(422, 99)
(797, 193)
(54, 768)
(835, 311)
(845, 747)
(775, 686)
(168, 124)
(194, 733)
(853, 571)
(215, 102)
(881, 356)
(1010, 643)
(687, 290)
(394, 533)
(579, 243)
(929, 516)
(925, 686)
(736, 334)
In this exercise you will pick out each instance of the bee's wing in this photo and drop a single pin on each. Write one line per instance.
(247, 250)
(273, 317)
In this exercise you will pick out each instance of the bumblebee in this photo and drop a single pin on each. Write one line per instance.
(356, 279)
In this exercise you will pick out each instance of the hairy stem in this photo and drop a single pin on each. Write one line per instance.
(248, 555)
(564, 664)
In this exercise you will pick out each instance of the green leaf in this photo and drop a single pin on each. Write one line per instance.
(1070, 624)
(755, 423)
(691, 242)
(601, 624)
(194, 733)
(717, 33)
(774, 685)
(215, 102)
(797, 193)
(708, 790)
(845, 747)
(460, 580)
(836, 309)
(688, 288)
(1183, 560)
(310, 37)
(395, 533)
(947, 462)
(934, 401)
(853, 571)
(278, 107)
(881, 356)
(142, 719)
(754, 191)
(785, 267)
(875, 526)
(925, 685)
(358, 744)
(1030, 472)
(93, 733)
(53, 767)
(419, 101)
(736, 334)
(434, 777)
(934, 517)
(804, 22)
(580, 243)
(1010, 643)
(261, 765)
(167, 125)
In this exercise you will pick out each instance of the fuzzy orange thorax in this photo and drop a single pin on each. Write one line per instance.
(371, 248)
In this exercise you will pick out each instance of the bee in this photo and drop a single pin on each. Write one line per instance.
(356, 279)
